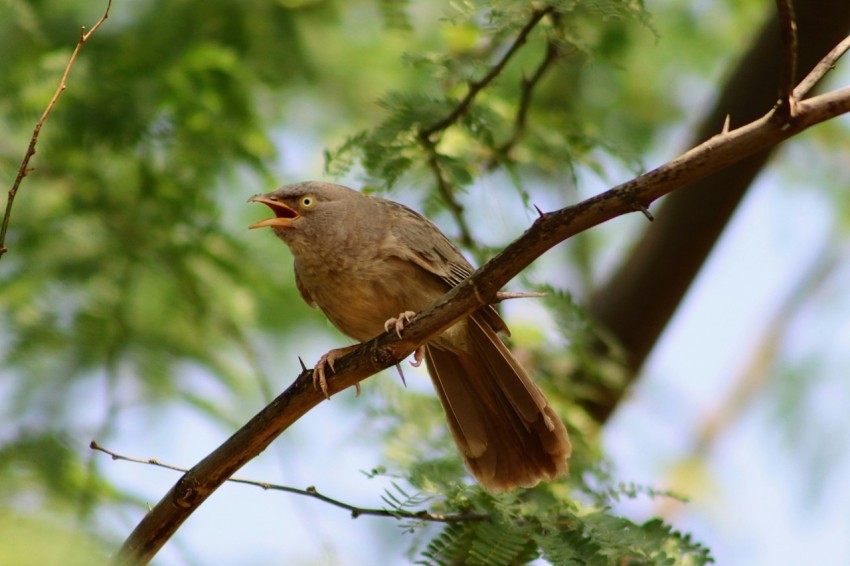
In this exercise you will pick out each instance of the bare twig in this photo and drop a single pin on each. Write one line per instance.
(394, 513)
(444, 188)
(93, 445)
(312, 492)
(25, 169)
(479, 289)
(821, 69)
(788, 28)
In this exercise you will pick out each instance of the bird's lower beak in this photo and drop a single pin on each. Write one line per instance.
(283, 214)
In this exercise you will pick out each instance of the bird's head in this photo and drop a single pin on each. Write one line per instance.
(288, 207)
(310, 212)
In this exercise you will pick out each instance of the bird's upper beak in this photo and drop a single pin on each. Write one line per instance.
(283, 214)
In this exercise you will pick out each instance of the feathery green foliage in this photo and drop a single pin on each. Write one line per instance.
(498, 124)
(132, 284)
(561, 534)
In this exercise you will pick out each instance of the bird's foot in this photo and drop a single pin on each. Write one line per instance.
(418, 355)
(399, 322)
(320, 381)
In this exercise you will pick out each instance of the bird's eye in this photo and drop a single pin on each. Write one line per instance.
(308, 201)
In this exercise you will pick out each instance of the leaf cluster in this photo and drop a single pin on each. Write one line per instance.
(121, 227)
(495, 101)
(539, 523)
(125, 283)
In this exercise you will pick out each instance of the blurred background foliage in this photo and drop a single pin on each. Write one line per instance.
(131, 282)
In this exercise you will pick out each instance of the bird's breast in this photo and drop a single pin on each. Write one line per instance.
(359, 294)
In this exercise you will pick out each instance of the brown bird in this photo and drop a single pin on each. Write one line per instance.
(368, 263)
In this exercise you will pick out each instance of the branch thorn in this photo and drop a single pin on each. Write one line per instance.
(641, 208)
(540, 213)
(401, 375)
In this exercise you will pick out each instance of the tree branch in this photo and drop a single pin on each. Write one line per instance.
(477, 86)
(445, 190)
(312, 492)
(638, 300)
(478, 290)
(821, 69)
(25, 169)
(426, 135)
(788, 28)
(528, 85)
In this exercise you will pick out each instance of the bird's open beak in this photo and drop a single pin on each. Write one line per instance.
(283, 214)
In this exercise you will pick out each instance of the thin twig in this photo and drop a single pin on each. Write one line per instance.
(477, 86)
(444, 188)
(25, 169)
(788, 28)
(312, 492)
(527, 90)
(821, 69)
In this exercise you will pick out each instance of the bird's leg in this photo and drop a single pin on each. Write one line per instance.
(328, 360)
(399, 322)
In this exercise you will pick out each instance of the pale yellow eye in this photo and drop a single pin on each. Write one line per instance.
(308, 201)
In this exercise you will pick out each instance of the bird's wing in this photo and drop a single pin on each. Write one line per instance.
(416, 239)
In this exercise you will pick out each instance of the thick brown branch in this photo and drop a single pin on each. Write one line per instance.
(25, 169)
(480, 289)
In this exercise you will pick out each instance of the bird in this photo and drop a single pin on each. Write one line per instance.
(369, 264)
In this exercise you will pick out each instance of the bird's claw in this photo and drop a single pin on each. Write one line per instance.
(398, 323)
(320, 380)
(418, 355)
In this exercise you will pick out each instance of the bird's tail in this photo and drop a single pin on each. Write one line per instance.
(506, 430)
